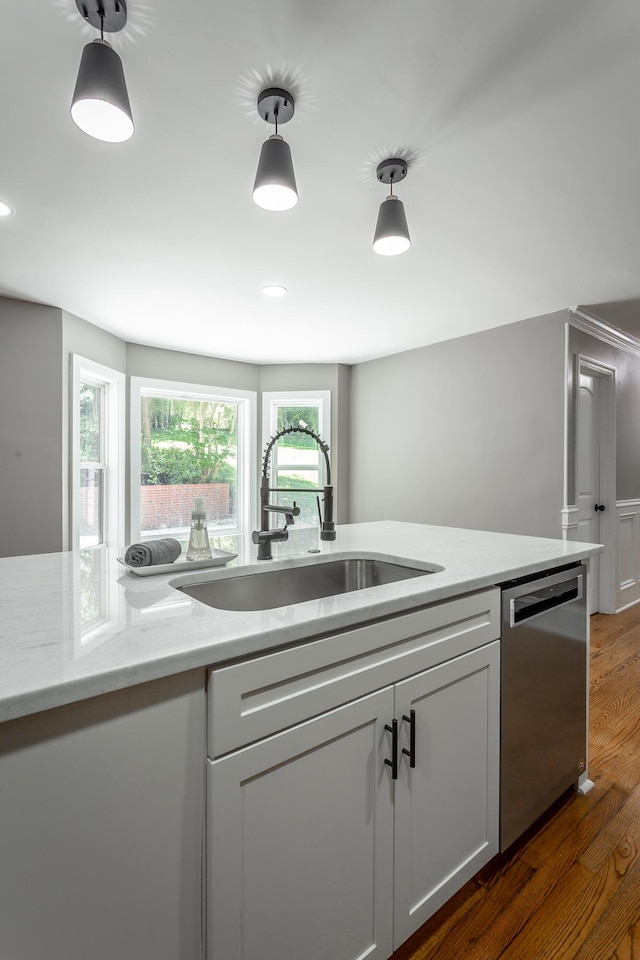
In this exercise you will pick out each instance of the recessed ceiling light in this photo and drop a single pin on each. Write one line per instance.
(274, 290)
(5, 209)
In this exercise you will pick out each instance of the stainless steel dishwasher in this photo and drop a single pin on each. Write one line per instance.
(544, 694)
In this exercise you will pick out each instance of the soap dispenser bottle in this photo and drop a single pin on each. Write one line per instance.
(198, 548)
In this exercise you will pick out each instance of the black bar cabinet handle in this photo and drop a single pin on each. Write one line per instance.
(411, 752)
(393, 763)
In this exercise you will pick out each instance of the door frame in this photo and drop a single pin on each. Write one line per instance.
(606, 375)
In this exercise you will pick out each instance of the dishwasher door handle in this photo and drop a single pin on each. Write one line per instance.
(533, 604)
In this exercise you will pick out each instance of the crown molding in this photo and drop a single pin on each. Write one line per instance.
(602, 331)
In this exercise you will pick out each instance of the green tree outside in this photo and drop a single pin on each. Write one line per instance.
(188, 441)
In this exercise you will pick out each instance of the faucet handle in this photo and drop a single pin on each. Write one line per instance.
(264, 538)
(290, 514)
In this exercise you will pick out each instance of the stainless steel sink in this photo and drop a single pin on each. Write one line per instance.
(295, 584)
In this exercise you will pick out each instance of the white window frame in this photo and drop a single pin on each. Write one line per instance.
(247, 470)
(112, 432)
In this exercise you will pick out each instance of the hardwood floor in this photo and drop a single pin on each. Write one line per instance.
(570, 889)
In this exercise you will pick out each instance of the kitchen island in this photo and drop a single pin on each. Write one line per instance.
(113, 692)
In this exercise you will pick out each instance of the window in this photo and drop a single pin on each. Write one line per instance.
(191, 441)
(97, 427)
(99, 614)
(296, 460)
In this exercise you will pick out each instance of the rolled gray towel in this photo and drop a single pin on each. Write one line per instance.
(150, 552)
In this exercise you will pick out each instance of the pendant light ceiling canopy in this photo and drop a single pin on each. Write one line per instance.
(391, 236)
(275, 183)
(100, 105)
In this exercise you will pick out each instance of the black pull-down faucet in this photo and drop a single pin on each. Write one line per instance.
(264, 537)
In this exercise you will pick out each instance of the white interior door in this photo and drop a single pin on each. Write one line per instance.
(588, 472)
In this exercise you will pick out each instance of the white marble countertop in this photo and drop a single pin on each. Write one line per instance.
(75, 625)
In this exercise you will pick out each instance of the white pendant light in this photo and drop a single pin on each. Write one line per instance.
(391, 235)
(275, 183)
(100, 105)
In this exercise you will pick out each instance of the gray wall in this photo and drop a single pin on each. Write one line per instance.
(464, 433)
(162, 364)
(87, 340)
(627, 367)
(31, 457)
(36, 345)
(468, 432)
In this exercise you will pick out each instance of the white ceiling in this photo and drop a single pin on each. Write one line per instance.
(519, 119)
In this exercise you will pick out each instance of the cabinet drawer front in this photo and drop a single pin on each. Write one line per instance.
(255, 698)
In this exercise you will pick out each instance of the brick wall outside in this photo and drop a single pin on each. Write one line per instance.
(169, 506)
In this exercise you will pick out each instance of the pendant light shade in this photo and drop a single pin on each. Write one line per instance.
(391, 235)
(275, 184)
(100, 105)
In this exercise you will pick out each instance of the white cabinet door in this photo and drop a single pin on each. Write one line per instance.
(446, 807)
(300, 841)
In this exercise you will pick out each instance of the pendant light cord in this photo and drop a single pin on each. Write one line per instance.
(102, 25)
(275, 115)
(391, 184)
